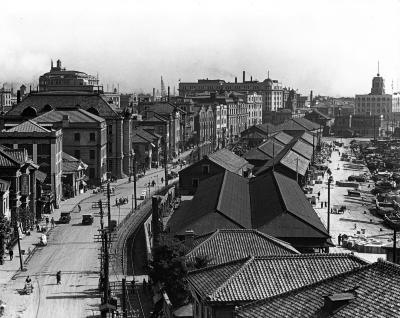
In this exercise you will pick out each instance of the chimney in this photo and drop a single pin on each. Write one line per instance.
(18, 96)
(168, 93)
(235, 79)
(65, 121)
(189, 238)
(154, 94)
(251, 78)
(244, 76)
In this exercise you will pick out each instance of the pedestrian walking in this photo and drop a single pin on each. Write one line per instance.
(79, 208)
(322, 205)
(339, 239)
(162, 180)
(52, 222)
(58, 276)
(319, 194)
(47, 221)
(144, 285)
(11, 253)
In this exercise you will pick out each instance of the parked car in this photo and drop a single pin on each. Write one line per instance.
(65, 217)
(87, 219)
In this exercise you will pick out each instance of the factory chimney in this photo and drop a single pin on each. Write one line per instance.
(244, 76)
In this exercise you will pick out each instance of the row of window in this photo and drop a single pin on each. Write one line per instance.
(92, 136)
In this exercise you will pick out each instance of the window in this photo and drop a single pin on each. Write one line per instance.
(91, 173)
(109, 129)
(77, 137)
(195, 183)
(92, 137)
(77, 154)
(92, 154)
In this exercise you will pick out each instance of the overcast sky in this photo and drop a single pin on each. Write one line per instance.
(330, 46)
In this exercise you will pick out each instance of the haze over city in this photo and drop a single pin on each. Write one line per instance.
(331, 47)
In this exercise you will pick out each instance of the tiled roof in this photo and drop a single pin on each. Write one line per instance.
(307, 124)
(256, 154)
(303, 149)
(229, 161)
(260, 277)
(271, 147)
(75, 116)
(376, 290)
(267, 128)
(72, 164)
(282, 137)
(231, 244)
(12, 157)
(28, 127)
(58, 100)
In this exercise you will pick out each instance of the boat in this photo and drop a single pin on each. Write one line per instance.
(393, 221)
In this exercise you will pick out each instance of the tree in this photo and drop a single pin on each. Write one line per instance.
(169, 267)
(4, 230)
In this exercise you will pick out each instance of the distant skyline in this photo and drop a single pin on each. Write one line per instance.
(330, 47)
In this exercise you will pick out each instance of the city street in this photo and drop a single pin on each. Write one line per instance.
(73, 250)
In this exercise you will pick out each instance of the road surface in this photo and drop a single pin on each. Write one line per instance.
(73, 250)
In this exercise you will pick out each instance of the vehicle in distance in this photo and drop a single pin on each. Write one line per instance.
(87, 219)
(65, 217)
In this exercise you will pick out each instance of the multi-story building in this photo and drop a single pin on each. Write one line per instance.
(254, 109)
(220, 124)
(376, 102)
(20, 171)
(113, 98)
(271, 90)
(364, 125)
(60, 79)
(396, 106)
(44, 146)
(5, 99)
(119, 124)
(84, 137)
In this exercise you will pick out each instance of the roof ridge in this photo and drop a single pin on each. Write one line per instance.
(276, 241)
(200, 244)
(9, 155)
(313, 255)
(240, 260)
(320, 282)
(249, 260)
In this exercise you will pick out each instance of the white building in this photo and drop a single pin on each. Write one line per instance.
(376, 102)
(254, 104)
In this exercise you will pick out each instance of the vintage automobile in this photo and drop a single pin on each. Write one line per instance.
(87, 219)
(65, 217)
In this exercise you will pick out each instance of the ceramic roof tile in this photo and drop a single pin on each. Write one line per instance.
(226, 245)
(28, 127)
(375, 288)
(266, 276)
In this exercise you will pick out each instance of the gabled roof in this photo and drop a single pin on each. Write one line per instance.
(298, 124)
(58, 100)
(72, 164)
(259, 277)
(282, 137)
(307, 124)
(256, 154)
(267, 128)
(14, 158)
(375, 287)
(271, 147)
(272, 203)
(229, 160)
(28, 126)
(303, 148)
(225, 245)
(74, 116)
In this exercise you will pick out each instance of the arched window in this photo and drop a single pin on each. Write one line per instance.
(94, 111)
(29, 112)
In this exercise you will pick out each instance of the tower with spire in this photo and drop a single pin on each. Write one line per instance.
(378, 84)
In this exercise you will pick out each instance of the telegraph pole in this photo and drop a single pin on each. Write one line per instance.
(165, 157)
(106, 275)
(16, 229)
(134, 180)
(109, 209)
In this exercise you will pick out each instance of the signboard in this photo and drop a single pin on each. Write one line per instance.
(25, 184)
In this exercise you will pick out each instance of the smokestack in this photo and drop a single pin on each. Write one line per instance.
(168, 93)
(251, 78)
(244, 76)
(154, 94)
(311, 98)
(235, 79)
(18, 96)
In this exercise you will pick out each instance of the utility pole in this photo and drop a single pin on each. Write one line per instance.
(165, 157)
(106, 276)
(109, 209)
(124, 310)
(329, 206)
(134, 179)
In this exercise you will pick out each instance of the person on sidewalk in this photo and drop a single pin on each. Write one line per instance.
(47, 221)
(79, 208)
(52, 223)
(58, 275)
(11, 253)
